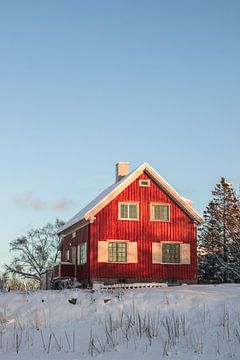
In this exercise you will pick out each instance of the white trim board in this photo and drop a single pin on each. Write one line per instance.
(89, 212)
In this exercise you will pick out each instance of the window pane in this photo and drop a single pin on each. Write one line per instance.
(164, 212)
(171, 253)
(156, 212)
(121, 252)
(117, 252)
(73, 254)
(79, 255)
(83, 253)
(133, 211)
(160, 212)
(67, 255)
(124, 211)
(144, 182)
(112, 251)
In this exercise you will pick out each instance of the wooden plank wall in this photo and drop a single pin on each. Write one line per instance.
(107, 226)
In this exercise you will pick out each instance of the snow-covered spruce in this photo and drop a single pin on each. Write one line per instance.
(219, 240)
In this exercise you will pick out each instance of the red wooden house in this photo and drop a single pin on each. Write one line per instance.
(137, 230)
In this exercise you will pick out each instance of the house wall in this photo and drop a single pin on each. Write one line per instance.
(143, 231)
(81, 272)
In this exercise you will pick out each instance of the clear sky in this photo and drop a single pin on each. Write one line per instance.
(84, 84)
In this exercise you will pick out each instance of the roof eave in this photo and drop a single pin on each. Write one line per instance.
(162, 183)
(174, 195)
(122, 185)
(80, 224)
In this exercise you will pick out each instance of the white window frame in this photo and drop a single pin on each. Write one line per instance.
(74, 234)
(128, 203)
(132, 251)
(142, 181)
(185, 252)
(152, 204)
(117, 242)
(172, 243)
(82, 258)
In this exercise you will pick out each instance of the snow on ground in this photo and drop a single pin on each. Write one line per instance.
(186, 322)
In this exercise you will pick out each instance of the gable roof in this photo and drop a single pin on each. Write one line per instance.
(90, 210)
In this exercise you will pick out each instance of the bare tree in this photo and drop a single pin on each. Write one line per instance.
(35, 251)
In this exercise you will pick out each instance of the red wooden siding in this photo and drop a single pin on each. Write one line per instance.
(82, 235)
(56, 271)
(63, 270)
(107, 226)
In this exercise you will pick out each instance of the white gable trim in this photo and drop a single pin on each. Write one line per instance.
(159, 180)
(66, 233)
(122, 186)
(174, 195)
(89, 212)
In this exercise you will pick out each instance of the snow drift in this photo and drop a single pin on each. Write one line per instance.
(187, 322)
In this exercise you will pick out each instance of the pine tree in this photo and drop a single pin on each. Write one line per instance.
(220, 235)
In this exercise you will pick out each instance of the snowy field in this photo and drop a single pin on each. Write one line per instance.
(187, 322)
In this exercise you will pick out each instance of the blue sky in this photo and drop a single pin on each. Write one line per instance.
(84, 84)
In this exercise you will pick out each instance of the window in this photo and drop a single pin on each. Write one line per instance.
(74, 234)
(67, 255)
(171, 253)
(82, 253)
(117, 251)
(160, 212)
(144, 183)
(74, 254)
(168, 252)
(128, 211)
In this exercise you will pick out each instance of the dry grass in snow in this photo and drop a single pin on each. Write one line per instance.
(187, 322)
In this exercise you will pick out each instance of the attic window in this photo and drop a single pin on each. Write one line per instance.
(144, 183)
(74, 234)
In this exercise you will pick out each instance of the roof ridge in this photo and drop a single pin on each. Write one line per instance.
(93, 207)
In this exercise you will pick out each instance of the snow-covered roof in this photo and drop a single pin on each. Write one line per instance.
(81, 214)
(91, 209)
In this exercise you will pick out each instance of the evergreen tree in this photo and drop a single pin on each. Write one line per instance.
(220, 235)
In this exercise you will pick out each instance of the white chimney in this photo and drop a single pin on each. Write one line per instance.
(122, 170)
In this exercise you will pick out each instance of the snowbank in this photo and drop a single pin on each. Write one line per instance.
(187, 322)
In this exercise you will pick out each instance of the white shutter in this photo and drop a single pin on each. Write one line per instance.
(185, 254)
(102, 251)
(132, 252)
(156, 253)
(67, 255)
(78, 255)
(74, 254)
